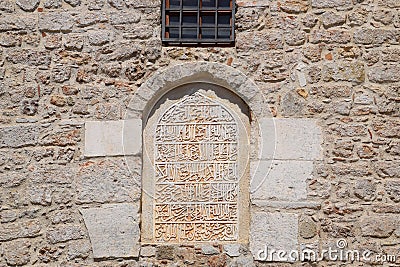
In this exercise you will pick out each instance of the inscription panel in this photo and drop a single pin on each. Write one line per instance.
(196, 172)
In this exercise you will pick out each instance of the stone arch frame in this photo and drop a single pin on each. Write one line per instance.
(165, 80)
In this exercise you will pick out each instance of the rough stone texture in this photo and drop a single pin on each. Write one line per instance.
(326, 70)
(28, 5)
(273, 231)
(17, 253)
(232, 250)
(56, 22)
(280, 180)
(108, 138)
(113, 230)
(24, 229)
(19, 136)
(65, 233)
(107, 181)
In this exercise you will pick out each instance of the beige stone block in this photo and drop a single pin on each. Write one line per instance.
(290, 139)
(113, 230)
(271, 233)
(111, 138)
(280, 180)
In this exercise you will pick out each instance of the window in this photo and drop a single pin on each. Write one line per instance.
(191, 22)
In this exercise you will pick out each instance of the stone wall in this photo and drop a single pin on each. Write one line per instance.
(77, 77)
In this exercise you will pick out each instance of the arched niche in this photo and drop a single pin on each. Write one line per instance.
(195, 177)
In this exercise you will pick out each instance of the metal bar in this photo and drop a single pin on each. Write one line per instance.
(180, 19)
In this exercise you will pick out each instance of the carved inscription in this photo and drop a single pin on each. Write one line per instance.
(196, 186)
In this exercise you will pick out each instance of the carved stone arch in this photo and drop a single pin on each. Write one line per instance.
(164, 80)
(196, 167)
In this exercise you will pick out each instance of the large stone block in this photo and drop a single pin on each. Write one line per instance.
(113, 230)
(290, 139)
(109, 138)
(56, 21)
(24, 229)
(19, 136)
(272, 232)
(280, 180)
(384, 74)
(107, 181)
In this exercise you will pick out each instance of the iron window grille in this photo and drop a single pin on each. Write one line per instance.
(194, 22)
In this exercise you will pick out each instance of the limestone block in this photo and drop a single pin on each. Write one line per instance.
(19, 136)
(56, 21)
(273, 232)
(280, 180)
(290, 139)
(109, 138)
(113, 230)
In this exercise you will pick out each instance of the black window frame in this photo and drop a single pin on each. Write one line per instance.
(192, 34)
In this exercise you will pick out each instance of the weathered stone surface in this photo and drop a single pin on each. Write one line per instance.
(304, 134)
(280, 180)
(56, 22)
(295, 38)
(344, 71)
(331, 3)
(346, 169)
(387, 128)
(29, 57)
(232, 250)
(393, 190)
(99, 37)
(90, 18)
(331, 19)
(307, 228)
(11, 179)
(273, 231)
(147, 251)
(110, 237)
(7, 6)
(365, 189)
(330, 36)
(73, 42)
(209, 250)
(381, 227)
(384, 16)
(83, 60)
(52, 4)
(358, 16)
(368, 36)
(294, 6)
(61, 74)
(16, 230)
(73, 3)
(332, 91)
(384, 74)
(65, 233)
(28, 5)
(17, 252)
(387, 169)
(259, 41)
(120, 18)
(107, 138)
(64, 136)
(217, 260)
(78, 249)
(165, 252)
(107, 181)
(19, 136)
